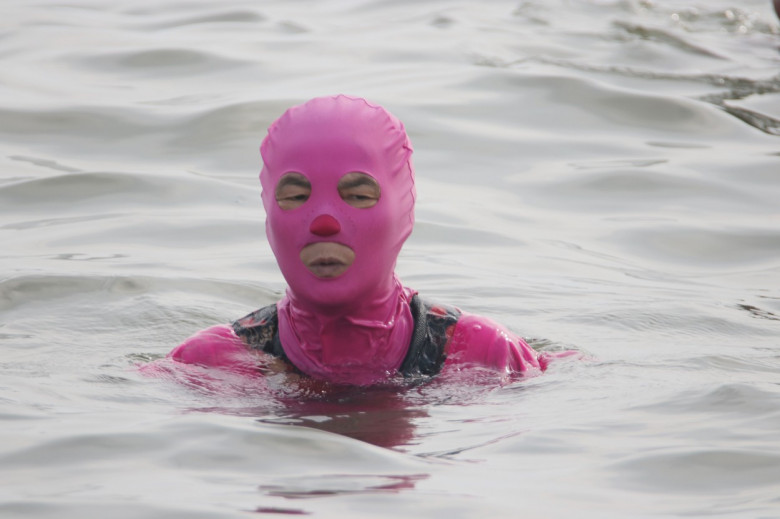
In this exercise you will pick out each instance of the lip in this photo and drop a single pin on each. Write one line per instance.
(327, 259)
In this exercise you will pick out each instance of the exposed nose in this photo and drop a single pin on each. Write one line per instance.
(325, 225)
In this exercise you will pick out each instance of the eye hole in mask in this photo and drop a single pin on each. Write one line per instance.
(292, 191)
(357, 189)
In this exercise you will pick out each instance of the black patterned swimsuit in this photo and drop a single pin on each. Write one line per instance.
(433, 326)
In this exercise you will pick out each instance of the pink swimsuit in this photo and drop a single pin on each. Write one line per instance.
(471, 341)
(356, 328)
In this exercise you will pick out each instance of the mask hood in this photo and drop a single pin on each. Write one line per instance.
(323, 140)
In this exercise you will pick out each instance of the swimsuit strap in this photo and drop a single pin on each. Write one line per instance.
(260, 331)
(433, 325)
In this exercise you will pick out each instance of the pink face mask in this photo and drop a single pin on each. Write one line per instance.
(323, 140)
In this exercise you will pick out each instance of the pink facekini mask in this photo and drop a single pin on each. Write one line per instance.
(354, 328)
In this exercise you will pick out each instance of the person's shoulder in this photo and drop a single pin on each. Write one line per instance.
(480, 340)
(216, 346)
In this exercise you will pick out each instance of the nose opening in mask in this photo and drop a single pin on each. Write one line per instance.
(325, 225)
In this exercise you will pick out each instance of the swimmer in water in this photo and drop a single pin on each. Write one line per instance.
(338, 191)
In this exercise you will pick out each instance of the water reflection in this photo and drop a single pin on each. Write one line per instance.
(380, 416)
(304, 487)
(383, 415)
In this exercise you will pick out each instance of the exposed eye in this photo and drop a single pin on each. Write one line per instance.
(292, 191)
(359, 190)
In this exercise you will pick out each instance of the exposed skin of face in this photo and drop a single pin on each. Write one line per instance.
(327, 259)
(292, 191)
(359, 190)
(356, 189)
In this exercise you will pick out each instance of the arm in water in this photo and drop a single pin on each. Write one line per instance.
(217, 347)
(480, 341)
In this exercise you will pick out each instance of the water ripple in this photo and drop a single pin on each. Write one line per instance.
(160, 21)
(665, 37)
(158, 62)
(702, 246)
(702, 471)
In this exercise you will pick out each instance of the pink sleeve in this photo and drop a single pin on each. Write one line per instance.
(480, 341)
(217, 347)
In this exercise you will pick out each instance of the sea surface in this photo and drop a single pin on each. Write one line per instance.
(599, 175)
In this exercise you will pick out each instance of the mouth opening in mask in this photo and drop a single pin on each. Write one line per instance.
(327, 260)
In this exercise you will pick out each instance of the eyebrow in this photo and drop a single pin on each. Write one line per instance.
(294, 179)
(360, 180)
